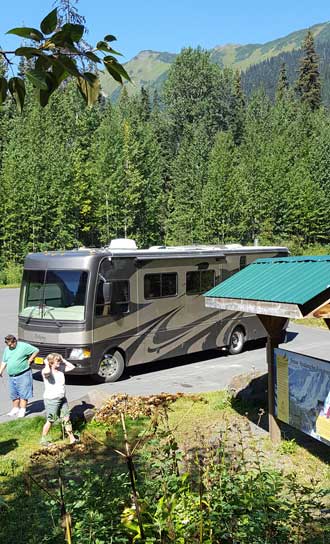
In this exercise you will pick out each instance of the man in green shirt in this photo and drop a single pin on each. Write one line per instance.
(17, 358)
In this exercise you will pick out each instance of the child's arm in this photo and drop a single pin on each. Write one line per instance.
(67, 365)
(46, 370)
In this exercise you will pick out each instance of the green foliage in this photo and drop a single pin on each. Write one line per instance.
(199, 164)
(11, 274)
(59, 53)
(309, 82)
(207, 99)
(288, 447)
(223, 491)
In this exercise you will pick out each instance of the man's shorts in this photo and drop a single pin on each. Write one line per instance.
(56, 409)
(21, 387)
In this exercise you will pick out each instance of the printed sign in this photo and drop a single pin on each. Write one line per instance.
(302, 393)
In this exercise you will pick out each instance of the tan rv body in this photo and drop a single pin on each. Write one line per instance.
(144, 327)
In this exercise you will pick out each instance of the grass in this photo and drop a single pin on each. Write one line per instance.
(20, 439)
(195, 420)
(311, 322)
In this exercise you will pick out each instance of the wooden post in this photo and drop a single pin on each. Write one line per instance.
(274, 326)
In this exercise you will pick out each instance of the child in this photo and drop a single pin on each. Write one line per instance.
(56, 404)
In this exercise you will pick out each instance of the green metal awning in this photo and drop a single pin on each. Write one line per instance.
(281, 286)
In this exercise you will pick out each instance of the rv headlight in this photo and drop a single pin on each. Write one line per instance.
(77, 354)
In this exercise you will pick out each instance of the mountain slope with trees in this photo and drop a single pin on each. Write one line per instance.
(150, 69)
(200, 164)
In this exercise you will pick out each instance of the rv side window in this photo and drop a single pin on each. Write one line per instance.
(199, 281)
(160, 285)
(119, 298)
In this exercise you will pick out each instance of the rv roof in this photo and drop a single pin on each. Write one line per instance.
(159, 252)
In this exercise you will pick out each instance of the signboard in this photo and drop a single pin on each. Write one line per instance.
(302, 393)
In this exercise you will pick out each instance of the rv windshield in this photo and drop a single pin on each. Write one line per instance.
(53, 294)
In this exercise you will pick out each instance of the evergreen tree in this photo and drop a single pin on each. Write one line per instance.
(282, 84)
(224, 195)
(238, 109)
(145, 104)
(309, 82)
(106, 160)
(189, 175)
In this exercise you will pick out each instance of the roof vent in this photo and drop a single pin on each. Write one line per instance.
(122, 243)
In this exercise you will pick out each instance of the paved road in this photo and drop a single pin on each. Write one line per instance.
(201, 372)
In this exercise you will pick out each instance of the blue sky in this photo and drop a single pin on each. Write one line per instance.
(171, 25)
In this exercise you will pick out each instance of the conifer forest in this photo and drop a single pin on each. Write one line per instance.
(196, 163)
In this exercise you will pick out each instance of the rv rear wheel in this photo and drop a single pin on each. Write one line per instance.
(236, 342)
(111, 367)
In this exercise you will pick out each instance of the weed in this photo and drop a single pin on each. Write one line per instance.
(287, 447)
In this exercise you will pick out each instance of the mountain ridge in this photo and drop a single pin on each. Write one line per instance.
(149, 68)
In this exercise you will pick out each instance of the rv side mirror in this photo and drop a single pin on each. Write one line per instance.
(107, 292)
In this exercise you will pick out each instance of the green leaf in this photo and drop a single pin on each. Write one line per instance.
(110, 38)
(59, 71)
(74, 31)
(49, 23)
(69, 65)
(52, 84)
(91, 56)
(90, 77)
(112, 61)
(60, 39)
(29, 33)
(42, 63)
(89, 88)
(114, 74)
(37, 78)
(16, 87)
(3, 89)
(114, 52)
(27, 52)
(102, 46)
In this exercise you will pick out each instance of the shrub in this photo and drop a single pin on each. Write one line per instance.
(11, 274)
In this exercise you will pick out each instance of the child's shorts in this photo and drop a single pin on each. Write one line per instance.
(56, 408)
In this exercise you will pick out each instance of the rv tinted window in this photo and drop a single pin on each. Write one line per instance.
(199, 281)
(207, 280)
(119, 303)
(119, 297)
(160, 285)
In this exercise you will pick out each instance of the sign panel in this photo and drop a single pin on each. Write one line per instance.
(302, 393)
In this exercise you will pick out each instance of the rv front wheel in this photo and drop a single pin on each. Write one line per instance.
(111, 367)
(236, 342)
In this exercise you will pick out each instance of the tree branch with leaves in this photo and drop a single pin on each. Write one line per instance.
(57, 53)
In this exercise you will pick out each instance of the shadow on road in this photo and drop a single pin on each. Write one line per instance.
(35, 407)
(141, 370)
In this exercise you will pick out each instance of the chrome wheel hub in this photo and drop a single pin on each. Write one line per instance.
(108, 366)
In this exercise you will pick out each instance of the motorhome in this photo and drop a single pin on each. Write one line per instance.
(109, 308)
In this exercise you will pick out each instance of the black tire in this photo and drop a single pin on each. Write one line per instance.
(237, 341)
(111, 367)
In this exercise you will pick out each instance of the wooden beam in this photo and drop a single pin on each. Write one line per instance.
(274, 327)
(321, 312)
(278, 309)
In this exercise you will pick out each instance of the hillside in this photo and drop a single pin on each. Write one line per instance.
(265, 74)
(149, 68)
